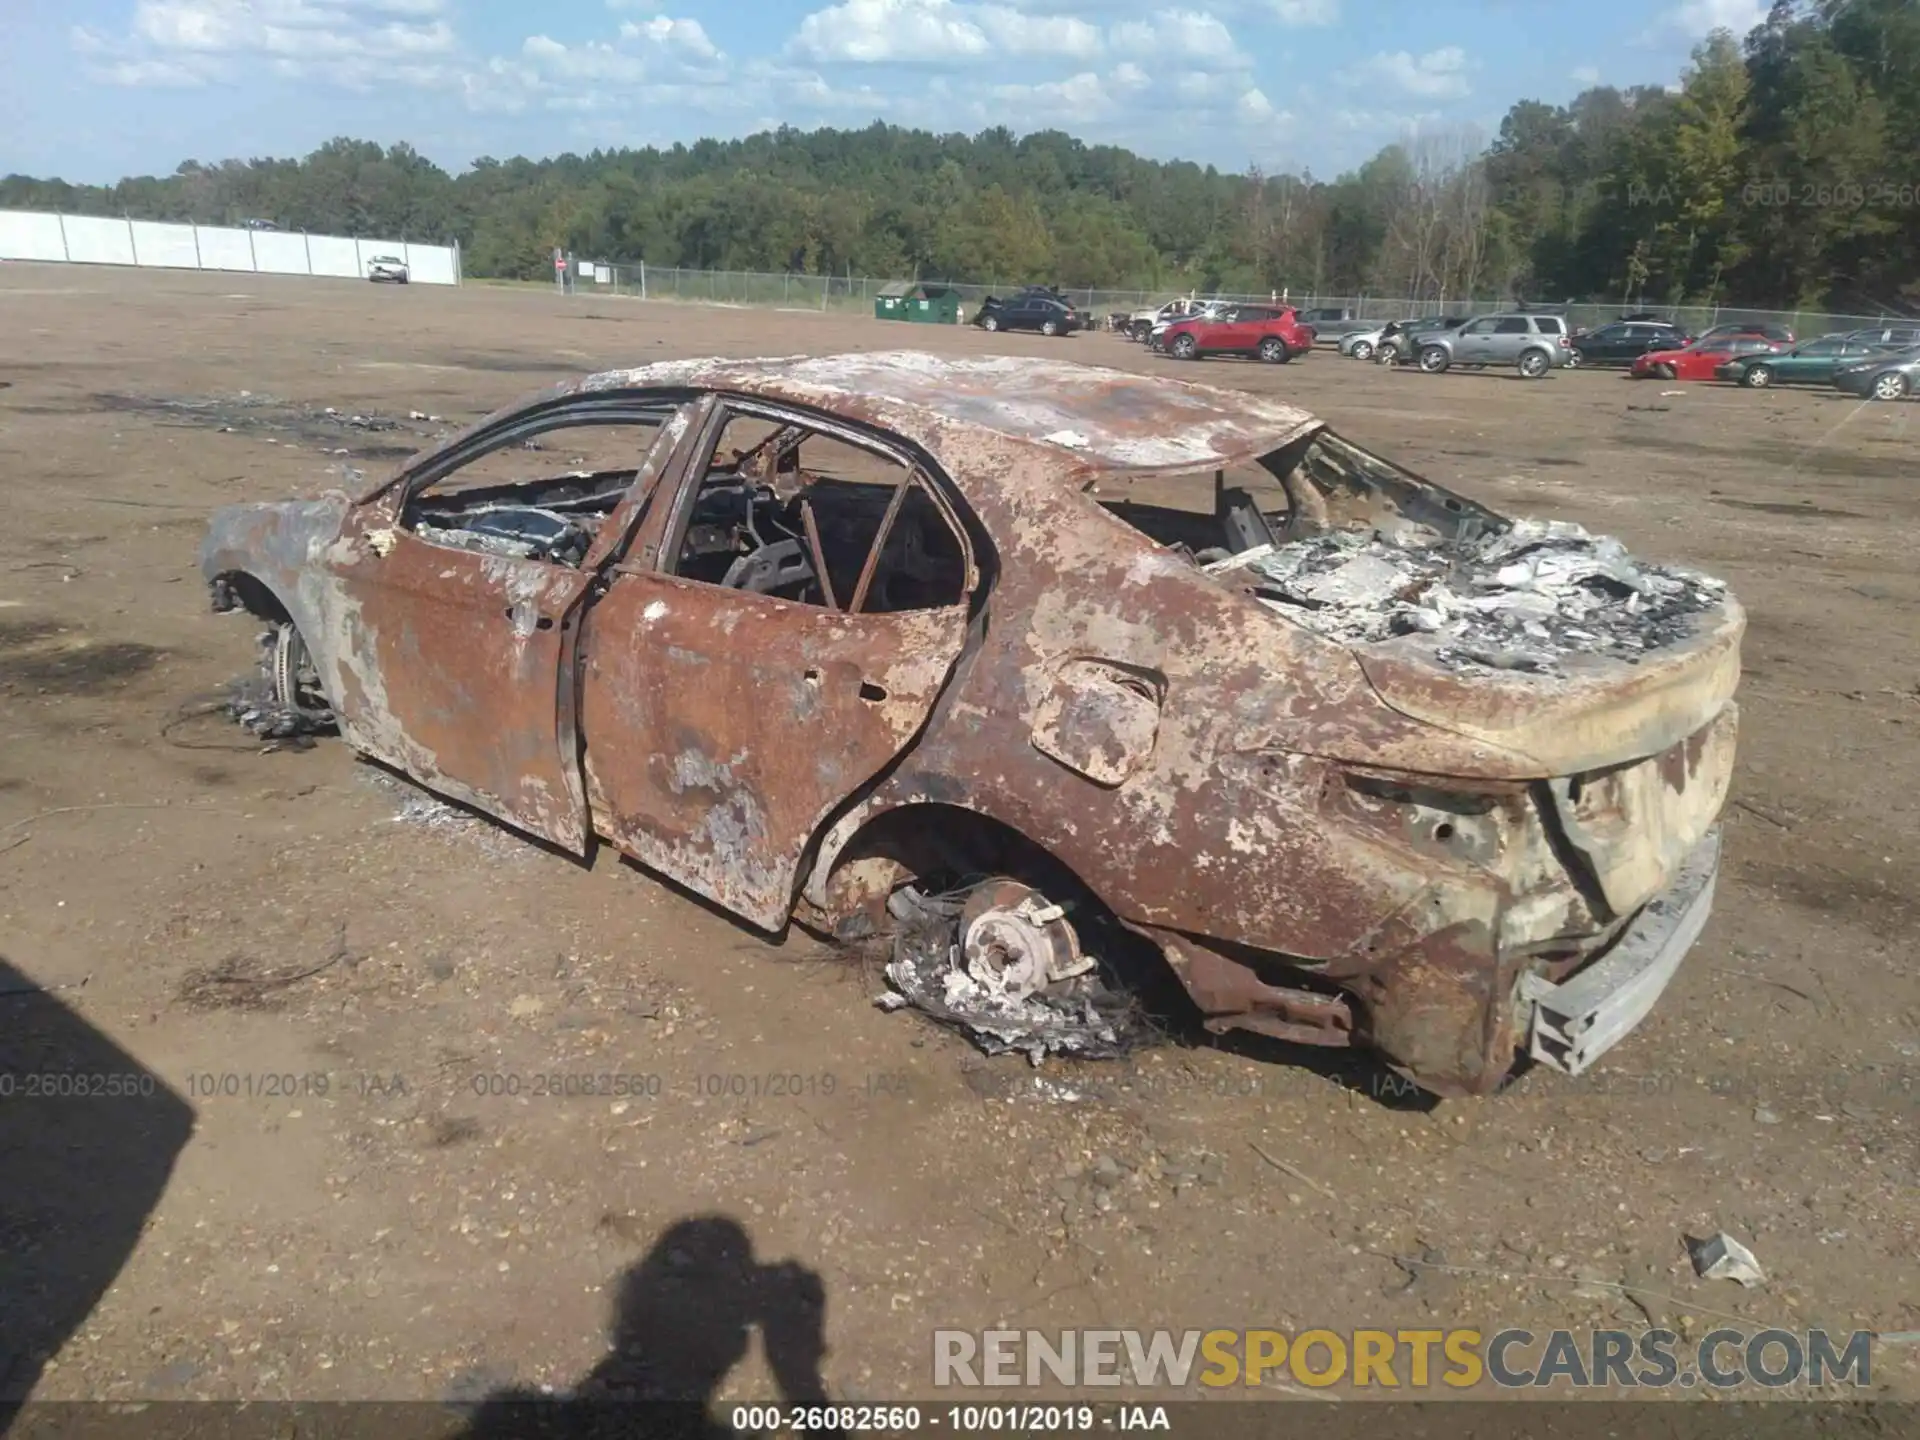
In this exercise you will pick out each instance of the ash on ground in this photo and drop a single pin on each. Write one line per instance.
(326, 429)
(1083, 1017)
(1521, 599)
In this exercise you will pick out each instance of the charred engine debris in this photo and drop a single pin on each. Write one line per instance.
(999, 961)
(1521, 598)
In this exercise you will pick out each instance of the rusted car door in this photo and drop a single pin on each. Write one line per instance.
(452, 660)
(723, 727)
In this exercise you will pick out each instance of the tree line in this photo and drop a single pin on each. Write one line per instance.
(1780, 172)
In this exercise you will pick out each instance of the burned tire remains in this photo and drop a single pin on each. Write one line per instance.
(1001, 961)
(282, 699)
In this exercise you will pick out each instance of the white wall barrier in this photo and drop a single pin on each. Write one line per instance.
(331, 255)
(277, 253)
(94, 240)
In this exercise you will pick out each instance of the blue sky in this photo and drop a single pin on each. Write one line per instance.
(91, 90)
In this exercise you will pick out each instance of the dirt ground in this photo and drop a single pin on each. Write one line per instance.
(350, 991)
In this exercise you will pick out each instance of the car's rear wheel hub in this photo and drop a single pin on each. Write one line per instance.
(1016, 942)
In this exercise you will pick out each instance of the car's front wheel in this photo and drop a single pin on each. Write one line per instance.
(1534, 364)
(1185, 348)
(1434, 359)
(1361, 350)
(1758, 377)
(990, 324)
(1273, 351)
(1663, 372)
(287, 701)
(1890, 386)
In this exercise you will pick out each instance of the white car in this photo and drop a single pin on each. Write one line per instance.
(1141, 323)
(387, 268)
(1362, 343)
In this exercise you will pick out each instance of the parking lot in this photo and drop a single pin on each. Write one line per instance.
(362, 997)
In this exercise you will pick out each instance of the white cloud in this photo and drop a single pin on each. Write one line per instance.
(1700, 18)
(1306, 12)
(1437, 75)
(1187, 34)
(684, 35)
(1081, 100)
(663, 60)
(147, 74)
(811, 91)
(1254, 108)
(867, 31)
(1586, 75)
(1025, 34)
(356, 43)
(939, 31)
(1081, 96)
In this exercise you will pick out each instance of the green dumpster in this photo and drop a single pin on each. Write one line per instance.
(917, 302)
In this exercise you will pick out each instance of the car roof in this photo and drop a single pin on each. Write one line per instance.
(1110, 418)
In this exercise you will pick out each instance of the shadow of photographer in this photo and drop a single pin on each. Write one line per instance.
(684, 1318)
(88, 1141)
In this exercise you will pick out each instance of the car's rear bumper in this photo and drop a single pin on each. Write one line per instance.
(1573, 1023)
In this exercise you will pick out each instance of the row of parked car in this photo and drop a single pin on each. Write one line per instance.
(1879, 362)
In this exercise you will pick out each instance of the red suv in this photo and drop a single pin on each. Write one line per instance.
(1272, 332)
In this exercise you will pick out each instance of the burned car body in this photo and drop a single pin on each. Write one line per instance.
(1366, 761)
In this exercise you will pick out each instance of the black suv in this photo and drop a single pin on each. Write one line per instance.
(1627, 340)
(1031, 310)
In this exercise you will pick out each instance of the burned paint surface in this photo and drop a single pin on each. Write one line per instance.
(1330, 842)
(1098, 721)
(723, 728)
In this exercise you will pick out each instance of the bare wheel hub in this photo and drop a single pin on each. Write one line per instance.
(1016, 942)
(296, 684)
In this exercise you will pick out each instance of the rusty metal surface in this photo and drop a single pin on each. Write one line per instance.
(723, 728)
(451, 671)
(1190, 757)
(1098, 721)
(1107, 419)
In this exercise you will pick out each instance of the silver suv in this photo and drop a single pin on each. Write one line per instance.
(1532, 344)
(1894, 337)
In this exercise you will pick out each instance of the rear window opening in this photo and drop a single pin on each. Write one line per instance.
(1310, 486)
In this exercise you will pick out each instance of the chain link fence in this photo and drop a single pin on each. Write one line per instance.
(855, 294)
